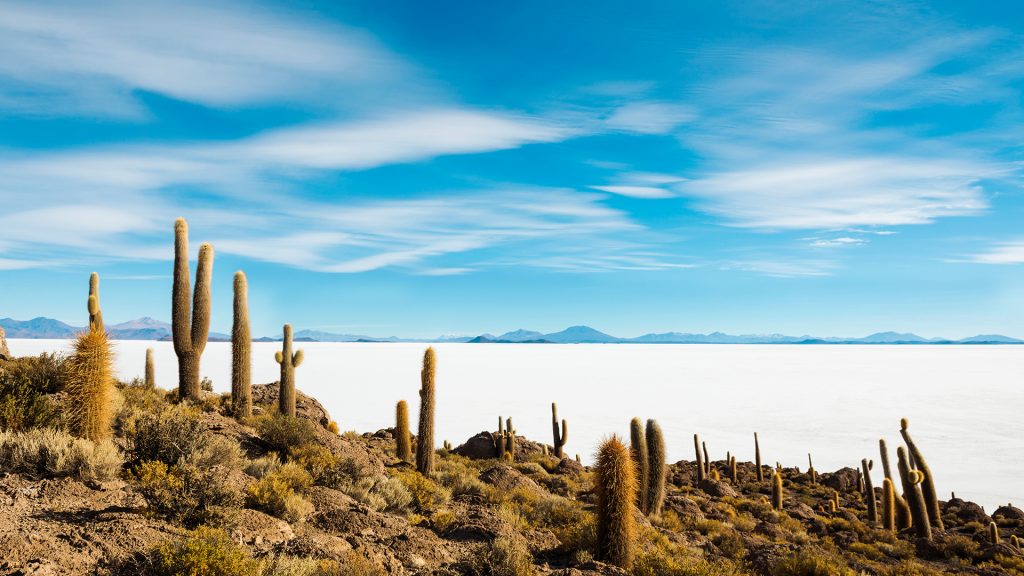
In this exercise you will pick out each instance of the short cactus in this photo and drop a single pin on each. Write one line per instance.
(403, 444)
(869, 491)
(701, 472)
(615, 484)
(510, 438)
(150, 371)
(559, 437)
(638, 451)
(241, 346)
(425, 440)
(655, 469)
(732, 470)
(888, 506)
(289, 362)
(757, 459)
(90, 378)
(811, 473)
(190, 336)
(499, 439)
(912, 480)
(931, 499)
(777, 490)
(993, 534)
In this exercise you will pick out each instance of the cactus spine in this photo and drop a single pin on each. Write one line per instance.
(869, 491)
(559, 438)
(993, 534)
(912, 492)
(289, 362)
(777, 490)
(757, 459)
(150, 371)
(701, 472)
(928, 490)
(403, 444)
(615, 483)
(888, 506)
(638, 451)
(655, 469)
(241, 346)
(190, 335)
(425, 438)
(90, 376)
(95, 314)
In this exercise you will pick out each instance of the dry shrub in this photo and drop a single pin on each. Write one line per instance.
(183, 492)
(204, 552)
(52, 453)
(173, 434)
(281, 433)
(808, 562)
(279, 493)
(24, 385)
(427, 495)
(504, 556)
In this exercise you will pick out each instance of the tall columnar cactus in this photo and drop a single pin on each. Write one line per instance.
(902, 508)
(90, 378)
(499, 439)
(931, 498)
(912, 492)
(510, 439)
(289, 362)
(150, 371)
(95, 314)
(190, 335)
(869, 491)
(732, 470)
(559, 437)
(993, 534)
(425, 438)
(638, 451)
(811, 473)
(403, 444)
(777, 490)
(884, 451)
(757, 459)
(701, 472)
(888, 506)
(655, 469)
(707, 459)
(615, 484)
(241, 346)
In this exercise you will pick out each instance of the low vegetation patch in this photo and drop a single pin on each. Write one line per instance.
(48, 453)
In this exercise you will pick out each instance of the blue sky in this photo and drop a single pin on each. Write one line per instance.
(750, 167)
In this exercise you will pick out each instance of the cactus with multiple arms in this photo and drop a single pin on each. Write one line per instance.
(638, 451)
(869, 491)
(928, 490)
(190, 335)
(403, 444)
(559, 437)
(289, 362)
(912, 480)
(425, 438)
(90, 377)
(615, 484)
(241, 346)
(655, 469)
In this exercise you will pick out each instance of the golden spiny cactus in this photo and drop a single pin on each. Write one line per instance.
(90, 377)
(655, 469)
(638, 451)
(777, 490)
(928, 491)
(912, 480)
(615, 484)
(888, 506)
(190, 335)
(241, 346)
(150, 371)
(425, 438)
(95, 314)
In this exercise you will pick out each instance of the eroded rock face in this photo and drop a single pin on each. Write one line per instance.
(5, 353)
(842, 480)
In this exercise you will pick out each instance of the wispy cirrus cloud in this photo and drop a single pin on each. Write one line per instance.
(68, 58)
(1011, 252)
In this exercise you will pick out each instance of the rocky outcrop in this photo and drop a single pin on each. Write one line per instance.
(305, 406)
(5, 353)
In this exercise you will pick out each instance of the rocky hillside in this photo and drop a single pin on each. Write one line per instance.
(186, 489)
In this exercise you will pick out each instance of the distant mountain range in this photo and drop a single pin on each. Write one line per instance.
(150, 329)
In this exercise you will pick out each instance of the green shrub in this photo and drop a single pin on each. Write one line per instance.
(380, 493)
(183, 492)
(24, 384)
(427, 495)
(52, 453)
(279, 493)
(169, 436)
(263, 465)
(282, 433)
(204, 552)
(504, 556)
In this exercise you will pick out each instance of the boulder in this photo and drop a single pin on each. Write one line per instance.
(967, 511)
(5, 353)
(479, 447)
(305, 406)
(842, 480)
(508, 479)
(717, 488)
(1009, 515)
(570, 467)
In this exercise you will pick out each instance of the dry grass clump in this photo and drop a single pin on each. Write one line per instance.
(427, 495)
(808, 562)
(504, 556)
(279, 493)
(662, 557)
(183, 492)
(169, 435)
(24, 385)
(281, 433)
(204, 552)
(51, 453)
